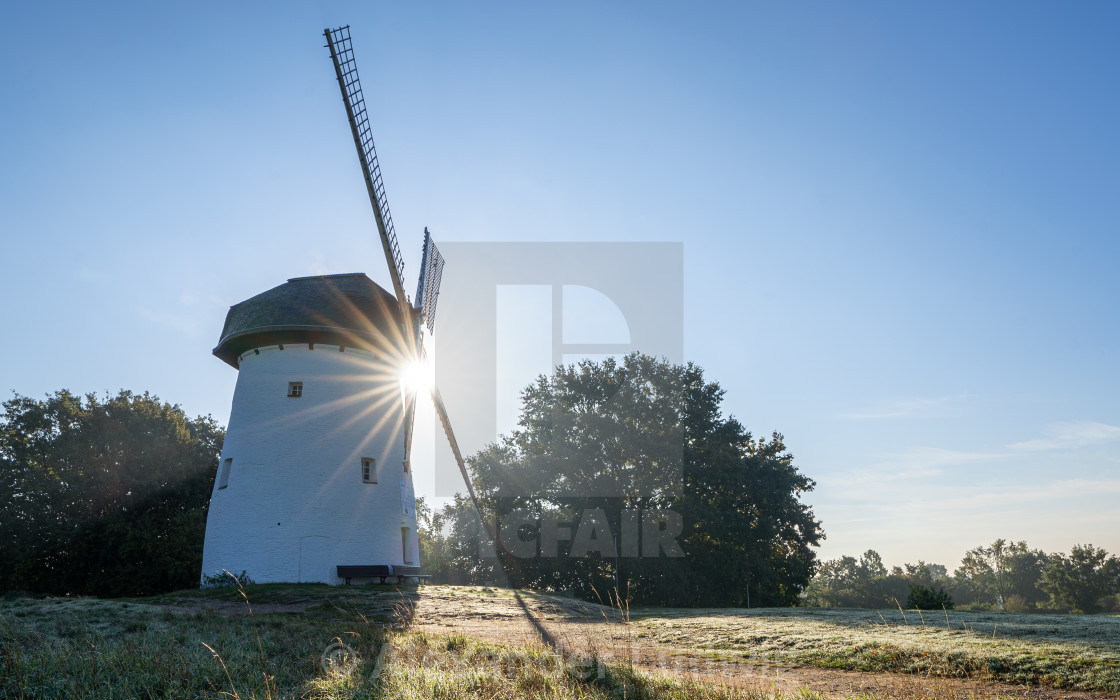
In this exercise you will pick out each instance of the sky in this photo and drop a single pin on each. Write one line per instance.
(898, 221)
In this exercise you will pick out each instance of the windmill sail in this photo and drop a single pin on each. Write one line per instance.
(346, 69)
(427, 289)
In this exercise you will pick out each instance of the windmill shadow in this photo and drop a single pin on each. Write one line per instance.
(545, 635)
(392, 606)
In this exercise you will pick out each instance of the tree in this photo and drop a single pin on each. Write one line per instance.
(852, 583)
(924, 574)
(1023, 568)
(103, 496)
(1079, 581)
(604, 442)
(975, 579)
(459, 550)
(429, 526)
(995, 573)
(451, 541)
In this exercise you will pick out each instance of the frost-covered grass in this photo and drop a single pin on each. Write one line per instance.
(65, 648)
(161, 647)
(418, 665)
(1063, 651)
(76, 648)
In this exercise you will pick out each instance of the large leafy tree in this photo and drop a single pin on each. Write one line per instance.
(605, 440)
(103, 496)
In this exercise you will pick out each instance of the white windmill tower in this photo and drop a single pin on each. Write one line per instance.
(314, 481)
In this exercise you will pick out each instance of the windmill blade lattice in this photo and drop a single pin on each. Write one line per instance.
(346, 69)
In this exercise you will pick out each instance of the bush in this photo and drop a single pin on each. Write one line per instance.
(223, 579)
(1018, 604)
(977, 607)
(928, 598)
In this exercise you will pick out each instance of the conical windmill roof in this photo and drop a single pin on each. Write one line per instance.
(348, 310)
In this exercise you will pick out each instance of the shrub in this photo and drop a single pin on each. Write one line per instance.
(977, 607)
(1018, 604)
(928, 598)
(1113, 604)
(224, 578)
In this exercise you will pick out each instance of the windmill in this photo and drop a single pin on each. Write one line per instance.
(318, 446)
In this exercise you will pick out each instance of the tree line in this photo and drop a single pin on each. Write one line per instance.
(108, 495)
(1004, 575)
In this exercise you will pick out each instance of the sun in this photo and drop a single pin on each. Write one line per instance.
(416, 377)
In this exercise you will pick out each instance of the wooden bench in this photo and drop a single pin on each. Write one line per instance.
(402, 571)
(380, 571)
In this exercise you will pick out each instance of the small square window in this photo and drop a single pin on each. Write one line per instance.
(295, 389)
(369, 470)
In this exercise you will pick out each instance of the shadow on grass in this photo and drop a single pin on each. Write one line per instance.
(545, 636)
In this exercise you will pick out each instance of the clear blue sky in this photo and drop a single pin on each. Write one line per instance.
(899, 221)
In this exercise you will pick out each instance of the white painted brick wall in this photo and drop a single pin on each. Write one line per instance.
(296, 505)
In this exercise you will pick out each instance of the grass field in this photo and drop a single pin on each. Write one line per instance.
(440, 641)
